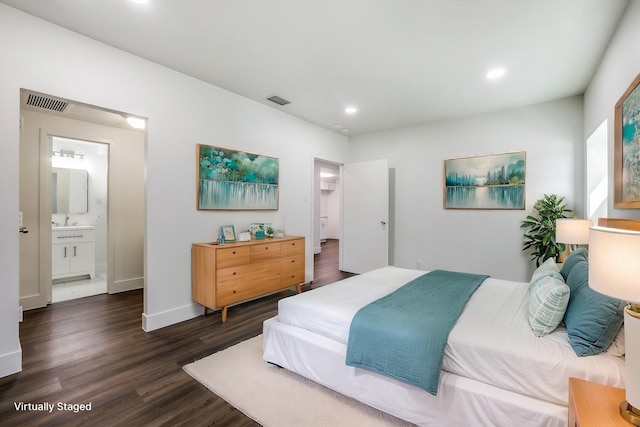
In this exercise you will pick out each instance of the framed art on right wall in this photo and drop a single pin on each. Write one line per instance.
(627, 148)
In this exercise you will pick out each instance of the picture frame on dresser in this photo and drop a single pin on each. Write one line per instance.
(627, 148)
(229, 233)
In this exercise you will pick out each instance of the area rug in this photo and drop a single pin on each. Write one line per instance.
(275, 397)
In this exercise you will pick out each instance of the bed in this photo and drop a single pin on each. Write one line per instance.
(495, 371)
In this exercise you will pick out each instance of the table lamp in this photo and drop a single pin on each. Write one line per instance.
(614, 270)
(573, 232)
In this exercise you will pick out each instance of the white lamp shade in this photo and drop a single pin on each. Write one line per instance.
(614, 263)
(573, 231)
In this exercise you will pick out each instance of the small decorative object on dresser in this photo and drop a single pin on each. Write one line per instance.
(236, 272)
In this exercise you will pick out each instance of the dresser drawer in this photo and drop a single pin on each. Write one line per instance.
(239, 275)
(265, 251)
(234, 292)
(292, 248)
(292, 271)
(229, 257)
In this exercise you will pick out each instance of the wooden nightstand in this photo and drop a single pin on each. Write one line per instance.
(595, 405)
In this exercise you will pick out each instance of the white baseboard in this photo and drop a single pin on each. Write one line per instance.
(126, 285)
(170, 317)
(11, 363)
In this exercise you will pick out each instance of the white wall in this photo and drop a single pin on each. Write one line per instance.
(619, 66)
(479, 241)
(182, 112)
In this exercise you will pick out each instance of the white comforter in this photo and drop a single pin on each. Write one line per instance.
(491, 342)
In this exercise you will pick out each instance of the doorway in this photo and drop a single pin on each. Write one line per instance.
(327, 207)
(72, 130)
(79, 213)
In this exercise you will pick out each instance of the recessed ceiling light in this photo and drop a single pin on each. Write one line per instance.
(141, 1)
(351, 110)
(496, 73)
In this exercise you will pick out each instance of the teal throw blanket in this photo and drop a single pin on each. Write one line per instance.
(403, 334)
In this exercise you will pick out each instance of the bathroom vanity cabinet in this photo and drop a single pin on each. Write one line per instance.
(73, 252)
(223, 275)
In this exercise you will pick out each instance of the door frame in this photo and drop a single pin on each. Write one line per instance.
(44, 209)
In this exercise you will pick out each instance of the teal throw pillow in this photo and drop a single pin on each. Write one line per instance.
(576, 256)
(592, 319)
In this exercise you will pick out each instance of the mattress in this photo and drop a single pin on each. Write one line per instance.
(460, 401)
(492, 342)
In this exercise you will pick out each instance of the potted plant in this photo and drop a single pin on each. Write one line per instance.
(269, 231)
(541, 235)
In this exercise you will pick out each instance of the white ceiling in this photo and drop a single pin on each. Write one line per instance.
(401, 62)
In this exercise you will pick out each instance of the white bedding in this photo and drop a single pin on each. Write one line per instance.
(461, 402)
(491, 343)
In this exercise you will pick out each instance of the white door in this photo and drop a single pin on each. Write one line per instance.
(365, 236)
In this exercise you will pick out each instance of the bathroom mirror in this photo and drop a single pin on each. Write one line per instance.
(69, 191)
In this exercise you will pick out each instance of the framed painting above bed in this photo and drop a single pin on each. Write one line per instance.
(235, 180)
(627, 148)
(493, 181)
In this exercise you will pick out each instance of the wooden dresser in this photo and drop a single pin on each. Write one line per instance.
(223, 275)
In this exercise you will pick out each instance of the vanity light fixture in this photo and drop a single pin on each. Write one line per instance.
(67, 159)
(141, 1)
(68, 154)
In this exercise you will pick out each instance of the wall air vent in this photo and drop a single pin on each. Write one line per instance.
(278, 100)
(46, 102)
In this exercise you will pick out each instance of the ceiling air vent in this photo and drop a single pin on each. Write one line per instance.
(278, 100)
(46, 102)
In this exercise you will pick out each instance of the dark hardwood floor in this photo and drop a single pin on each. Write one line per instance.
(93, 351)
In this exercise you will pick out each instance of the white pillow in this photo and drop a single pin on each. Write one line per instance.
(548, 299)
(547, 268)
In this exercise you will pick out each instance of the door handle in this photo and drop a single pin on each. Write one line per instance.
(23, 230)
(383, 223)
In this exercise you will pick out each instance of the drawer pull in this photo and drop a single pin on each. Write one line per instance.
(234, 291)
(234, 252)
(234, 273)
(266, 248)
